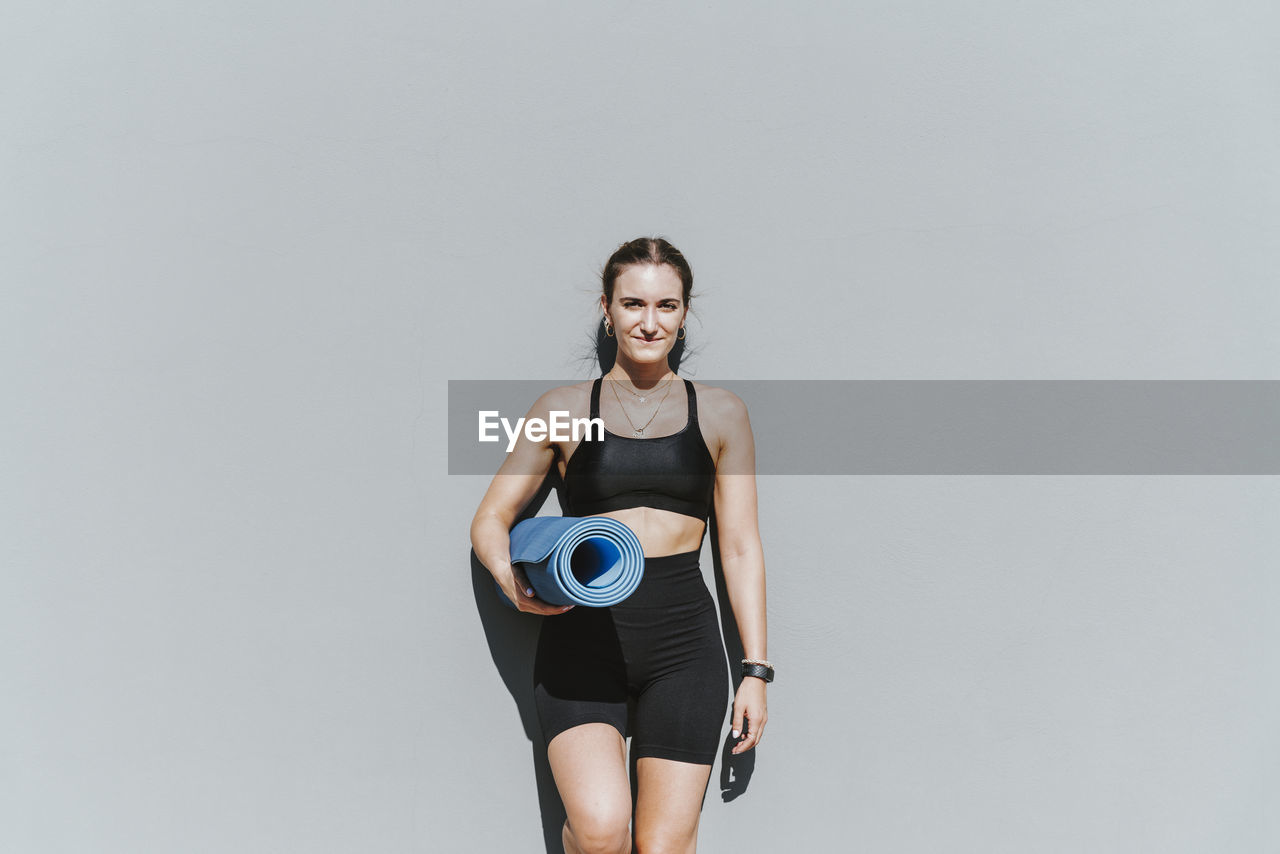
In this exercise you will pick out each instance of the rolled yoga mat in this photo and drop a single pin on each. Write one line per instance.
(592, 560)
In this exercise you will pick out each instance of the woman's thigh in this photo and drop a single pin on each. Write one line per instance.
(668, 803)
(590, 768)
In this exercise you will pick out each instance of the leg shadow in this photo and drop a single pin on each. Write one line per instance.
(513, 640)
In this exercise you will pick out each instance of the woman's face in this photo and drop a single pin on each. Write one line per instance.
(647, 311)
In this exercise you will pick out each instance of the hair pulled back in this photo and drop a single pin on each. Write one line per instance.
(642, 250)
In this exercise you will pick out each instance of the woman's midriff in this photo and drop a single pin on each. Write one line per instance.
(662, 532)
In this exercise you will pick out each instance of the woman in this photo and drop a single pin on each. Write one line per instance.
(671, 450)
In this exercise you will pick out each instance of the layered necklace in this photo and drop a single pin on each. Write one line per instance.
(640, 398)
(638, 432)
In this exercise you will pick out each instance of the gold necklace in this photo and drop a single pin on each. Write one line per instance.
(641, 397)
(638, 432)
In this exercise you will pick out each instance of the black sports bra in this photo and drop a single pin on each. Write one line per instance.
(673, 472)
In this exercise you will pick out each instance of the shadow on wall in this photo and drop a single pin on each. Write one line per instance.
(513, 640)
(735, 771)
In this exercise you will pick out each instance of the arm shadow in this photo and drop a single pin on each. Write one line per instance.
(513, 641)
(735, 770)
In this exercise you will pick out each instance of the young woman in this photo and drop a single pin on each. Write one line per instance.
(671, 451)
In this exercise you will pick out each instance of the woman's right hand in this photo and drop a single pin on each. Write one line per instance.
(516, 585)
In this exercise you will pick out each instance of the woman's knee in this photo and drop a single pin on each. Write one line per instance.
(663, 842)
(602, 831)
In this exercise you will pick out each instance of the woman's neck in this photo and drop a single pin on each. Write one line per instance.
(641, 376)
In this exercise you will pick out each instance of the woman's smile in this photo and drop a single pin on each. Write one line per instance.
(647, 309)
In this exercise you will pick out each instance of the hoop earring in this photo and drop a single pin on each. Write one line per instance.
(681, 335)
(608, 328)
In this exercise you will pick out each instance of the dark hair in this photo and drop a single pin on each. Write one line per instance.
(642, 250)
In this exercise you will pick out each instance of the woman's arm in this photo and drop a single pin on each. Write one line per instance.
(742, 556)
(516, 482)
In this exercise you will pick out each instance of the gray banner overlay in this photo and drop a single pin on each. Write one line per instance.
(1013, 427)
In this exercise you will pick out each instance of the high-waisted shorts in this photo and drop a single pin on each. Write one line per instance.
(659, 653)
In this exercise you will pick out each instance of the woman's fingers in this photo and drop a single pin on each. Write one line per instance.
(754, 733)
(527, 600)
(749, 715)
(750, 737)
(522, 581)
(746, 734)
(537, 606)
(533, 605)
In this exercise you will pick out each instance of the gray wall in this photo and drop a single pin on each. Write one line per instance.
(245, 246)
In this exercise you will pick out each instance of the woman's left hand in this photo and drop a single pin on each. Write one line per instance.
(750, 713)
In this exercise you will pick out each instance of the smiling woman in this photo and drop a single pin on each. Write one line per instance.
(652, 667)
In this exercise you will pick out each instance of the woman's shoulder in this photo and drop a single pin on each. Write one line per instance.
(718, 404)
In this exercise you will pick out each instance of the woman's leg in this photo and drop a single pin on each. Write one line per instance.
(590, 768)
(668, 804)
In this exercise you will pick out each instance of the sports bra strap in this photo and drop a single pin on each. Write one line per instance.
(693, 402)
(595, 397)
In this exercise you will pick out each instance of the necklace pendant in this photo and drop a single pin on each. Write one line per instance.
(638, 433)
(641, 399)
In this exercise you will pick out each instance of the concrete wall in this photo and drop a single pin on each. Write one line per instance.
(246, 245)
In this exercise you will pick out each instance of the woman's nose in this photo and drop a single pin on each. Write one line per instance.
(649, 321)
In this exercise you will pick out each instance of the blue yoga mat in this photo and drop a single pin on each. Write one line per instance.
(594, 560)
